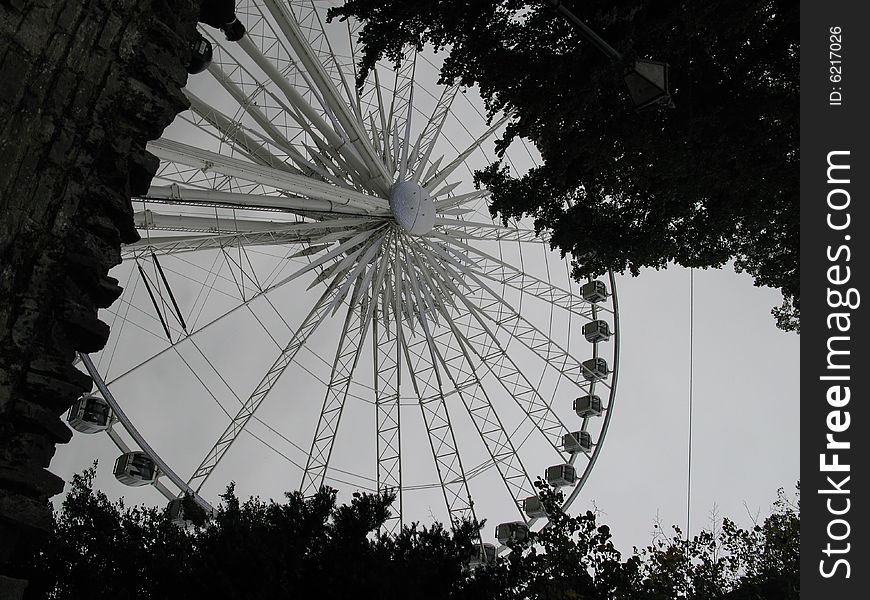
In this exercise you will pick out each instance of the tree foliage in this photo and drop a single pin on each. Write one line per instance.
(312, 547)
(714, 180)
(575, 558)
(298, 548)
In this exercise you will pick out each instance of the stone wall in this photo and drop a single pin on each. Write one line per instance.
(83, 85)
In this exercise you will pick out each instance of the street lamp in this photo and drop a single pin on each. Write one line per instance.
(646, 80)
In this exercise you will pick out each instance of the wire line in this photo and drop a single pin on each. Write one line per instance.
(691, 390)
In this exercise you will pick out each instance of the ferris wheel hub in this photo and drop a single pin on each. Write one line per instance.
(412, 207)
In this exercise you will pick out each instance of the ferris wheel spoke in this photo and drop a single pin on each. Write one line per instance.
(401, 110)
(225, 229)
(459, 367)
(457, 229)
(444, 204)
(386, 152)
(429, 136)
(444, 173)
(331, 138)
(346, 358)
(149, 220)
(405, 128)
(527, 333)
(351, 248)
(255, 145)
(483, 342)
(499, 271)
(396, 118)
(178, 174)
(299, 185)
(486, 420)
(330, 166)
(250, 406)
(352, 126)
(273, 45)
(185, 196)
(257, 95)
(251, 93)
(359, 276)
(439, 428)
(388, 375)
(311, 23)
(256, 150)
(513, 380)
(182, 244)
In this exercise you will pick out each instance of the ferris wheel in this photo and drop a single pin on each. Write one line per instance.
(320, 296)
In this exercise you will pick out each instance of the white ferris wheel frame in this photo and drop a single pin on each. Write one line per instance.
(397, 287)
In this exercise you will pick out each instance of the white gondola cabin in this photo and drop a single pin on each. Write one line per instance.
(594, 291)
(534, 508)
(587, 406)
(135, 469)
(506, 532)
(596, 331)
(175, 512)
(595, 369)
(483, 554)
(577, 441)
(561, 475)
(185, 512)
(90, 414)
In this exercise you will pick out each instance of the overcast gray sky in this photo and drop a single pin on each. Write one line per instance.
(746, 393)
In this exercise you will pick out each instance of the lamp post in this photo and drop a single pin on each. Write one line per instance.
(646, 80)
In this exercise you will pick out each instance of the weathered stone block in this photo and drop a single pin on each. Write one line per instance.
(45, 483)
(143, 166)
(16, 65)
(28, 448)
(29, 512)
(70, 16)
(111, 32)
(36, 417)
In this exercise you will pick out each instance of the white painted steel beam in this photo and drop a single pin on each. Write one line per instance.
(250, 406)
(150, 220)
(195, 196)
(235, 132)
(297, 233)
(484, 343)
(333, 139)
(439, 428)
(433, 128)
(352, 127)
(346, 360)
(444, 173)
(294, 184)
(460, 369)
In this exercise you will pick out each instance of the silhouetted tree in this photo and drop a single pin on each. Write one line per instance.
(575, 558)
(714, 180)
(310, 547)
(299, 548)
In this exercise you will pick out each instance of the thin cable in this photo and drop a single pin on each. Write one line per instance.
(691, 389)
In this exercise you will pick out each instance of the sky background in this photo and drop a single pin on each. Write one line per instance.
(745, 402)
